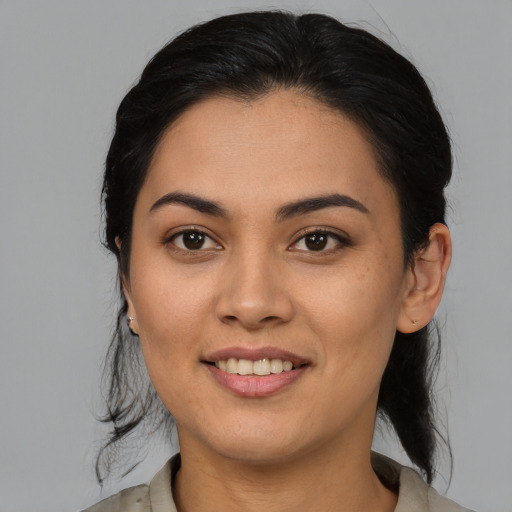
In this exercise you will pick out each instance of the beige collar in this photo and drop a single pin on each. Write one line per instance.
(414, 494)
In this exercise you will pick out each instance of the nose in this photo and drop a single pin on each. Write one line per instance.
(253, 293)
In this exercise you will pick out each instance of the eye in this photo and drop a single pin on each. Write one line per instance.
(193, 240)
(319, 241)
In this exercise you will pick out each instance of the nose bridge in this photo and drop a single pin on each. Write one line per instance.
(253, 292)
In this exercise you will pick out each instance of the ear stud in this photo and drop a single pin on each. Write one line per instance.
(129, 321)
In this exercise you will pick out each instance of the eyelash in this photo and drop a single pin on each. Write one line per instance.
(340, 241)
(196, 232)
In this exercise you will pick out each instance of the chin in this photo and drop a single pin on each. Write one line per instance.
(260, 453)
(253, 442)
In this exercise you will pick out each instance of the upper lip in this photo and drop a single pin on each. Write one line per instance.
(254, 354)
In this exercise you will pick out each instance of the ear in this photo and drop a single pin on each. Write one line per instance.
(425, 283)
(125, 283)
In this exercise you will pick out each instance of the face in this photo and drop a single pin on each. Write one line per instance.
(265, 238)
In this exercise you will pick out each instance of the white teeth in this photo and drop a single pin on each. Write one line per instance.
(248, 367)
(245, 367)
(261, 367)
(276, 366)
(232, 365)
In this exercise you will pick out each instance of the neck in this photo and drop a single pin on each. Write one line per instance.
(333, 481)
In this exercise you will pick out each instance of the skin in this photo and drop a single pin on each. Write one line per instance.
(255, 283)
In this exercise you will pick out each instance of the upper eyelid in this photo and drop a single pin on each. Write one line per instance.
(175, 232)
(184, 229)
(342, 238)
(338, 234)
(325, 230)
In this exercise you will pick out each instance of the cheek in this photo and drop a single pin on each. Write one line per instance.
(169, 303)
(356, 297)
(171, 315)
(354, 314)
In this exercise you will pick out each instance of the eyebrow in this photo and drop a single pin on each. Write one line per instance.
(192, 201)
(312, 204)
(300, 207)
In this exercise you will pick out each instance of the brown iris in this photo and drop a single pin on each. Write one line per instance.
(193, 240)
(316, 241)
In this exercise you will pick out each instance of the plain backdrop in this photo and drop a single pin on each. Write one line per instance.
(65, 65)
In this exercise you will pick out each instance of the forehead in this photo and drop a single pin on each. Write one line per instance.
(279, 147)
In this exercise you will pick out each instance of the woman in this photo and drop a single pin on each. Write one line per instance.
(274, 197)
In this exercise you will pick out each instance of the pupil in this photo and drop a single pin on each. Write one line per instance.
(193, 240)
(316, 241)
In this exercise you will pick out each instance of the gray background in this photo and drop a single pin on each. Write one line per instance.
(65, 65)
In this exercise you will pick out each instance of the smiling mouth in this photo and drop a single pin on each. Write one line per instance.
(258, 368)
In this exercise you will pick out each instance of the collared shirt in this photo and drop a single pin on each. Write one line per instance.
(414, 495)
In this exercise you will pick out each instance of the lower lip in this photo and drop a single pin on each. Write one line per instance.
(254, 385)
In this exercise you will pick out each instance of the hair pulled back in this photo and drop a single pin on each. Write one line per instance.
(246, 56)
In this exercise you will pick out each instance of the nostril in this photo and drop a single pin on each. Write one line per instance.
(230, 318)
(270, 318)
(233, 307)
(251, 323)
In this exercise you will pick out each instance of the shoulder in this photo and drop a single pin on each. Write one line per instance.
(414, 491)
(133, 499)
(414, 495)
(155, 497)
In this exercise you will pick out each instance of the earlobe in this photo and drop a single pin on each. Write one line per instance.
(426, 281)
(131, 324)
(131, 319)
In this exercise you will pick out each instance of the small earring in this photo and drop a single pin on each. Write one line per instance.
(414, 322)
(129, 321)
